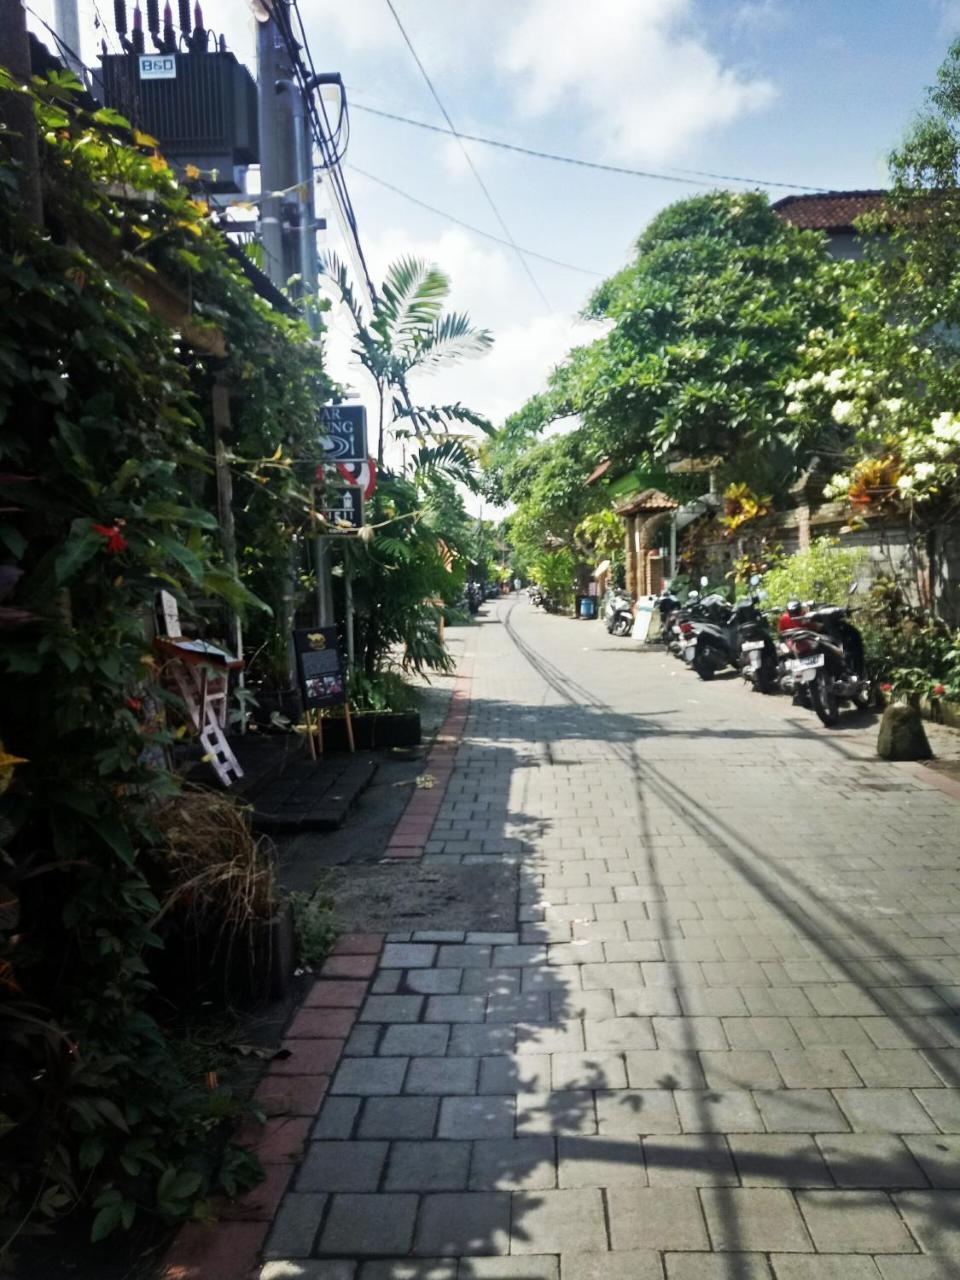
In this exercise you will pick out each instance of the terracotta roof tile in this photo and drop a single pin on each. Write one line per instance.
(651, 500)
(829, 211)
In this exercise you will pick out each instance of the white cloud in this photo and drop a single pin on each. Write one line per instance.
(637, 71)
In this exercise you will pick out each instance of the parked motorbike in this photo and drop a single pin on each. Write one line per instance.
(618, 612)
(823, 660)
(474, 597)
(679, 634)
(758, 653)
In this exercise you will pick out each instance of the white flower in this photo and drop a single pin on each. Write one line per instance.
(905, 484)
(838, 485)
(924, 471)
(835, 381)
(818, 379)
(793, 408)
(843, 411)
(892, 406)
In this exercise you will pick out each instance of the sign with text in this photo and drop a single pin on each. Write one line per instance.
(320, 667)
(343, 433)
(158, 66)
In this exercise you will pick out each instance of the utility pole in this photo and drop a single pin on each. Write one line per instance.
(67, 22)
(16, 110)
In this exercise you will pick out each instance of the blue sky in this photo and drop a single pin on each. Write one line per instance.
(803, 91)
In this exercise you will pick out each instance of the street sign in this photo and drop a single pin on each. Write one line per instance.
(320, 667)
(343, 430)
(346, 511)
(158, 66)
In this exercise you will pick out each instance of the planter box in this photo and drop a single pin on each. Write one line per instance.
(373, 731)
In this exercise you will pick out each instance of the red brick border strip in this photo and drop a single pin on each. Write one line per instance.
(290, 1095)
(413, 830)
(933, 778)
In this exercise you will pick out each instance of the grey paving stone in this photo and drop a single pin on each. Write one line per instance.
(817, 1068)
(513, 1164)
(689, 1033)
(760, 1033)
(588, 1071)
(442, 1075)
(370, 1076)
(714, 1002)
(892, 1068)
(385, 982)
(482, 1040)
(336, 1118)
(512, 955)
(647, 1002)
(464, 1223)
(927, 1267)
(415, 1040)
(464, 957)
(486, 1117)
(363, 1040)
(716, 1111)
(634, 1265)
(363, 1225)
(491, 982)
(391, 1009)
(409, 1269)
(943, 1105)
(514, 1073)
(533, 1267)
(656, 1218)
(582, 1004)
(800, 1111)
(303, 1269)
(689, 1160)
(663, 1069)
(567, 1222)
(552, 1037)
(778, 1160)
(938, 1157)
(883, 1111)
(598, 1161)
(559, 1111)
(712, 1266)
(433, 982)
(342, 1166)
(637, 1111)
(619, 1033)
(754, 1219)
(408, 955)
(493, 939)
(428, 1166)
(398, 1118)
(933, 1217)
(854, 1222)
(870, 1160)
(455, 1008)
(838, 1266)
(740, 1069)
(527, 1006)
(296, 1225)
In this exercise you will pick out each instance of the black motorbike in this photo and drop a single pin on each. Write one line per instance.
(824, 663)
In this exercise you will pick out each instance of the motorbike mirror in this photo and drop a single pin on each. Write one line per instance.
(754, 579)
(704, 581)
(763, 595)
(693, 595)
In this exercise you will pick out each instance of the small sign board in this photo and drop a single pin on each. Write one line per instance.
(158, 66)
(343, 433)
(320, 667)
(346, 509)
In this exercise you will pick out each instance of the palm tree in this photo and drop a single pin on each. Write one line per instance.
(408, 331)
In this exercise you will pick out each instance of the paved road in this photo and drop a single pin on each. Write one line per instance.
(722, 1041)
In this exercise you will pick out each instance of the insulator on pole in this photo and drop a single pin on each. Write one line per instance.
(186, 26)
(120, 16)
(153, 17)
(138, 45)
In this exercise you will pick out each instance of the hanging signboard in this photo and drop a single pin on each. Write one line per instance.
(158, 66)
(320, 667)
(343, 433)
(345, 510)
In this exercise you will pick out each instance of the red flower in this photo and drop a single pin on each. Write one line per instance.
(115, 540)
(133, 704)
(885, 688)
(939, 690)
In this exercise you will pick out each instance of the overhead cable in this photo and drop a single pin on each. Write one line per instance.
(487, 235)
(587, 164)
(466, 154)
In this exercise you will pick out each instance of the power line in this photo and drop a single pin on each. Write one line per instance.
(587, 164)
(473, 168)
(442, 213)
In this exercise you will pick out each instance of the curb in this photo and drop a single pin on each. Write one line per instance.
(415, 825)
(290, 1095)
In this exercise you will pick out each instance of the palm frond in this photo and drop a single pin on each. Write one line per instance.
(411, 299)
(431, 419)
(451, 337)
(368, 350)
(452, 459)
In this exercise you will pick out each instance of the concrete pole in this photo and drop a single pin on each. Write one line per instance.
(276, 169)
(16, 111)
(67, 22)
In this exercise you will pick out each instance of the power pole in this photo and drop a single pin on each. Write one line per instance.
(16, 110)
(67, 21)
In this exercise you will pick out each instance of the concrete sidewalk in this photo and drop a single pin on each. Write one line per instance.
(721, 1039)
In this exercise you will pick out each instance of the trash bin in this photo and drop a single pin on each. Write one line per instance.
(588, 607)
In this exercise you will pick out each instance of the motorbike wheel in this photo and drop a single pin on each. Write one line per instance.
(825, 702)
(701, 664)
(766, 681)
(622, 626)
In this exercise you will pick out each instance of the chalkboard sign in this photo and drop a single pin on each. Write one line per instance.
(320, 667)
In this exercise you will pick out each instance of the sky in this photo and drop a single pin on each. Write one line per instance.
(808, 92)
